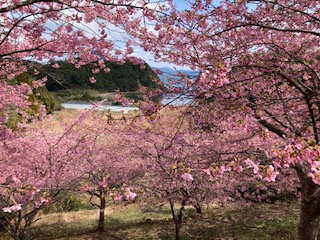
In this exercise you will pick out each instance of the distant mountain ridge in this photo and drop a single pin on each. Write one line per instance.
(127, 77)
(169, 73)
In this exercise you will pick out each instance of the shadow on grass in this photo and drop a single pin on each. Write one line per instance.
(116, 226)
(257, 221)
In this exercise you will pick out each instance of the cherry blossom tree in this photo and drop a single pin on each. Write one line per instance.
(80, 32)
(36, 164)
(35, 161)
(165, 160)
(108, 166)
(191, 165)
(260, 61)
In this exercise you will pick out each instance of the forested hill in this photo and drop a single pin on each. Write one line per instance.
(127, 77)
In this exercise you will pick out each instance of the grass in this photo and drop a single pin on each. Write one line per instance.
(81, 95)
(254, 221)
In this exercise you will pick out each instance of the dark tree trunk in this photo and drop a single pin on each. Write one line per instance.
(308, 227)
(197, 206)
(18, 224)
(17, 235)
(309, 224)
(177, 231)
(177, 218)
(101, 214)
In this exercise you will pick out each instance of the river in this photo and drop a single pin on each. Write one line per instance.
(81, 105)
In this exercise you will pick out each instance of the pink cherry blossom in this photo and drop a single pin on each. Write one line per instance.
(118, 198)
(92, 80)
(187, 177)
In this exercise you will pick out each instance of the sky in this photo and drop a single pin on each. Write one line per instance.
(146, 56)
(118, 36)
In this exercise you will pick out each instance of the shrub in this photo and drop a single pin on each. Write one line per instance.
(68, 202)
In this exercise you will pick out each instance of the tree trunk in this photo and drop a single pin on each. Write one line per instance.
(197, 206)
(308, 227)
(17, 234)
(177, 217)
(101, 214)
(177, 230)
(176, 220)
(17, 225)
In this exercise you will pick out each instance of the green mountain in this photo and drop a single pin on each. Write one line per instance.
(126, 78)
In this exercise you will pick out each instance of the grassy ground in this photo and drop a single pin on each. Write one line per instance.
(89, 95)
(251, 222)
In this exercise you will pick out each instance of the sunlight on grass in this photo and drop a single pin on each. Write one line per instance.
(255, 221)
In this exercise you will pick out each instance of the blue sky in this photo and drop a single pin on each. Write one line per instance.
(182, 5)
(148, 56)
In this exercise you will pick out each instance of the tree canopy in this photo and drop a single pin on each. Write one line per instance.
(255, 105)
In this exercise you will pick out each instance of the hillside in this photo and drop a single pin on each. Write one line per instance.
(126, 78)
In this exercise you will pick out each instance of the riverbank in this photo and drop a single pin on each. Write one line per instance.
(78, 105)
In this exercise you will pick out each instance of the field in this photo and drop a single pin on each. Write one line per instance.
(249, 222)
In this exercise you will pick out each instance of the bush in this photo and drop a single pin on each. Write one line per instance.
(68, 202)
